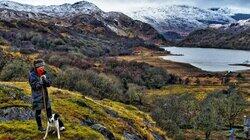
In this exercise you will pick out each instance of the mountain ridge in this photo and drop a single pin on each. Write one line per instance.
(110, 19)
(230, 36)
(181, 19)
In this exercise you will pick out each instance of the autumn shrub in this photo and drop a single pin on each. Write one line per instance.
(62, 59)
(175, 112)
(219, 110)
(3, 59)
(16, 70)
(142, 74)
(90, 83)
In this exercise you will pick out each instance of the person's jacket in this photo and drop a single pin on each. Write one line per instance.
(39, 89)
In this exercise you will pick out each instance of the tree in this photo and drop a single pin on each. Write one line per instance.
(176, 112)
(220, 109)
(135, 94)
(208, 120)
(231, 106)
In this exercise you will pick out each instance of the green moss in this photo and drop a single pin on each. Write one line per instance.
(74, 108)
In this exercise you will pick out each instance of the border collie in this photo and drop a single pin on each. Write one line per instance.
(53, 122)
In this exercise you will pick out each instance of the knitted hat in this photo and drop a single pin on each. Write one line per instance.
(39, 63)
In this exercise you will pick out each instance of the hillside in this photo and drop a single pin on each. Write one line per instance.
(84, 117)
(231, 36)
(108, 79)
(61, 15)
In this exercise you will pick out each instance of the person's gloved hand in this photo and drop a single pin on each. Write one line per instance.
(43, 77)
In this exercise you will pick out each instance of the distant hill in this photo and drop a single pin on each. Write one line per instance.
(79, 24)
(232, 36)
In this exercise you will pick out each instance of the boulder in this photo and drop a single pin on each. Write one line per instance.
(112, 113)
(16, 113)
(104, 131)
(88, 122)
(130, 136)
(157, 136)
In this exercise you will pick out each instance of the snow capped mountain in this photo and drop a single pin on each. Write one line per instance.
(83, 13)
(87, 13)
(224, 11)
(179, 18)
(53, 10)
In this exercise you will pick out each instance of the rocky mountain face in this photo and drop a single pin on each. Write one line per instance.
(118, 23)
(180, 19)
(232, 36)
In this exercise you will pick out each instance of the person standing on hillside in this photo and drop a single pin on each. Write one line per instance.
(39, 81)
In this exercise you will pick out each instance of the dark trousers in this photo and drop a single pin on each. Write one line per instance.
(49, 114)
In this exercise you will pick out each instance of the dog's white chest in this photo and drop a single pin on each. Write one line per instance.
(53, 123)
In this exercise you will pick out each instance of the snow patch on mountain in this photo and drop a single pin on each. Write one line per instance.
(241, 24)
(53, 10)
(180, 18)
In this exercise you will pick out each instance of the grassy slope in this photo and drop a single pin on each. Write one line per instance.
(200, 92)
(66, 103)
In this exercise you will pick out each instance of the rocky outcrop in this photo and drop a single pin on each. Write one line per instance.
(16, 113)
(9, 110)
(131, 136)
(98, 127)
(104, 131)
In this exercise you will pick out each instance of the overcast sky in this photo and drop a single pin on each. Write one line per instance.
(122, 5)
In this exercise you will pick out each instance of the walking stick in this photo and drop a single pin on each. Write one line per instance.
(45, 102)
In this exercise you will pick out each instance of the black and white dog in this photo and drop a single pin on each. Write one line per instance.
(54, 121)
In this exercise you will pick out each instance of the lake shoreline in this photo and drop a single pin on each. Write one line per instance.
(209, 59)
(207, 47)
(185, 71)
(245, 65)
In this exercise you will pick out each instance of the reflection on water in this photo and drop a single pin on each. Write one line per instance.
(210, 59)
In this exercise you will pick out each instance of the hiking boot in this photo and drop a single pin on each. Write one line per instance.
(41, 129)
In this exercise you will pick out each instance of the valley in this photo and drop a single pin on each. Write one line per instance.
(112, 77)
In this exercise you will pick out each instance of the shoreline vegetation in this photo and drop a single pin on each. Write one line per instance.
(246, 65)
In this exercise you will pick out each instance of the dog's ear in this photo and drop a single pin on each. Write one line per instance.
(56, 116)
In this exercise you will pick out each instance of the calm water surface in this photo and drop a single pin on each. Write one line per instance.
(210, 59)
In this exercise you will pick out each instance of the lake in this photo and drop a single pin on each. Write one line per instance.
(210, 59)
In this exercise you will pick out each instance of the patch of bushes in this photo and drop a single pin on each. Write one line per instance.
(3, 41)
(61, 60)
(139, 73)
(135, 94)
(175, 112)
(3, 59)
(16, 70)
(217, 111)
(90, 83)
